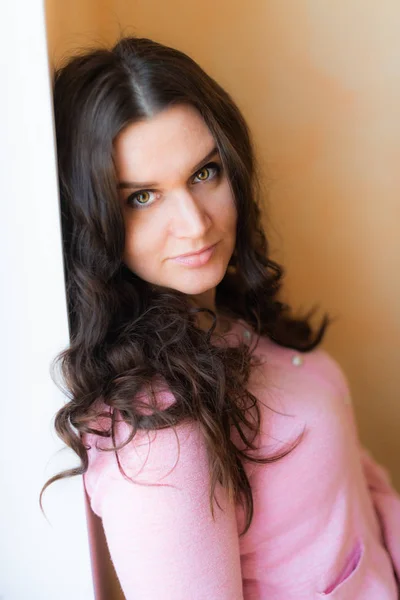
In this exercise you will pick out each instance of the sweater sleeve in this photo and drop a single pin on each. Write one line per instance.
(162, 538)
(387, 506)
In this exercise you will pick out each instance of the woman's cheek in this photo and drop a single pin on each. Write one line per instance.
(143, 240)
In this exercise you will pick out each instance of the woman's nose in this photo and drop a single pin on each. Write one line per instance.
(190, 218)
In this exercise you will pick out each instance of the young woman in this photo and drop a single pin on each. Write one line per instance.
(217, 442)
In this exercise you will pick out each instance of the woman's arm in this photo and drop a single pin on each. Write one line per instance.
(162, 539)
(387, 505)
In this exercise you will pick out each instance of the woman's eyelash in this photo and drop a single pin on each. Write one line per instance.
(131, 200)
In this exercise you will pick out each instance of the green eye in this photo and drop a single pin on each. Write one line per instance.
(208, 172)
(203, 174)
(142, 197)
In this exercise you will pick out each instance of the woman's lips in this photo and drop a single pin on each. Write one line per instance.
(196, 260)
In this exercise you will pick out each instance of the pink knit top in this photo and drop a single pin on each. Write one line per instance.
(326, 520)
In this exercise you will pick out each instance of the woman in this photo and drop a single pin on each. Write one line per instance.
(217, 443)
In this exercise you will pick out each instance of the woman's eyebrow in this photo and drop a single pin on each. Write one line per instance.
(146, 184)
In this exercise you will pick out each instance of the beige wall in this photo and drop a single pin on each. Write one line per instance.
(319, 84)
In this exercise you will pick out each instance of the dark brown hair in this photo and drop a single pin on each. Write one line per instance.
(124, 333)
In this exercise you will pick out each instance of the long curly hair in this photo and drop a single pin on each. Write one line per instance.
(125, 334)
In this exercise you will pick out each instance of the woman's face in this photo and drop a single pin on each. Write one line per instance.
(176, 201)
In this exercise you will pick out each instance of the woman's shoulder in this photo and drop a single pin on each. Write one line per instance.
(148, 458)
(300, 392)
(316, 367)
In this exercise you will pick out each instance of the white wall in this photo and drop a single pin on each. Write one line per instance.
(38, 560)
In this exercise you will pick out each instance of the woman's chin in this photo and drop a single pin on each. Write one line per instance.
(198, 282)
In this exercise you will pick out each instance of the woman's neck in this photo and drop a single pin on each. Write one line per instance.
(204, 318)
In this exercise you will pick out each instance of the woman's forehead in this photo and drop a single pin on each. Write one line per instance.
(171, 142)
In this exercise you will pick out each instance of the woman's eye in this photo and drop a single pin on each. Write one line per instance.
(143, 198)
(209, 171)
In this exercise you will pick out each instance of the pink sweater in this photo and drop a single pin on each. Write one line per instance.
(326, 520)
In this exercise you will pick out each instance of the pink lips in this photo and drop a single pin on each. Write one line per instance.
(196, 260)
